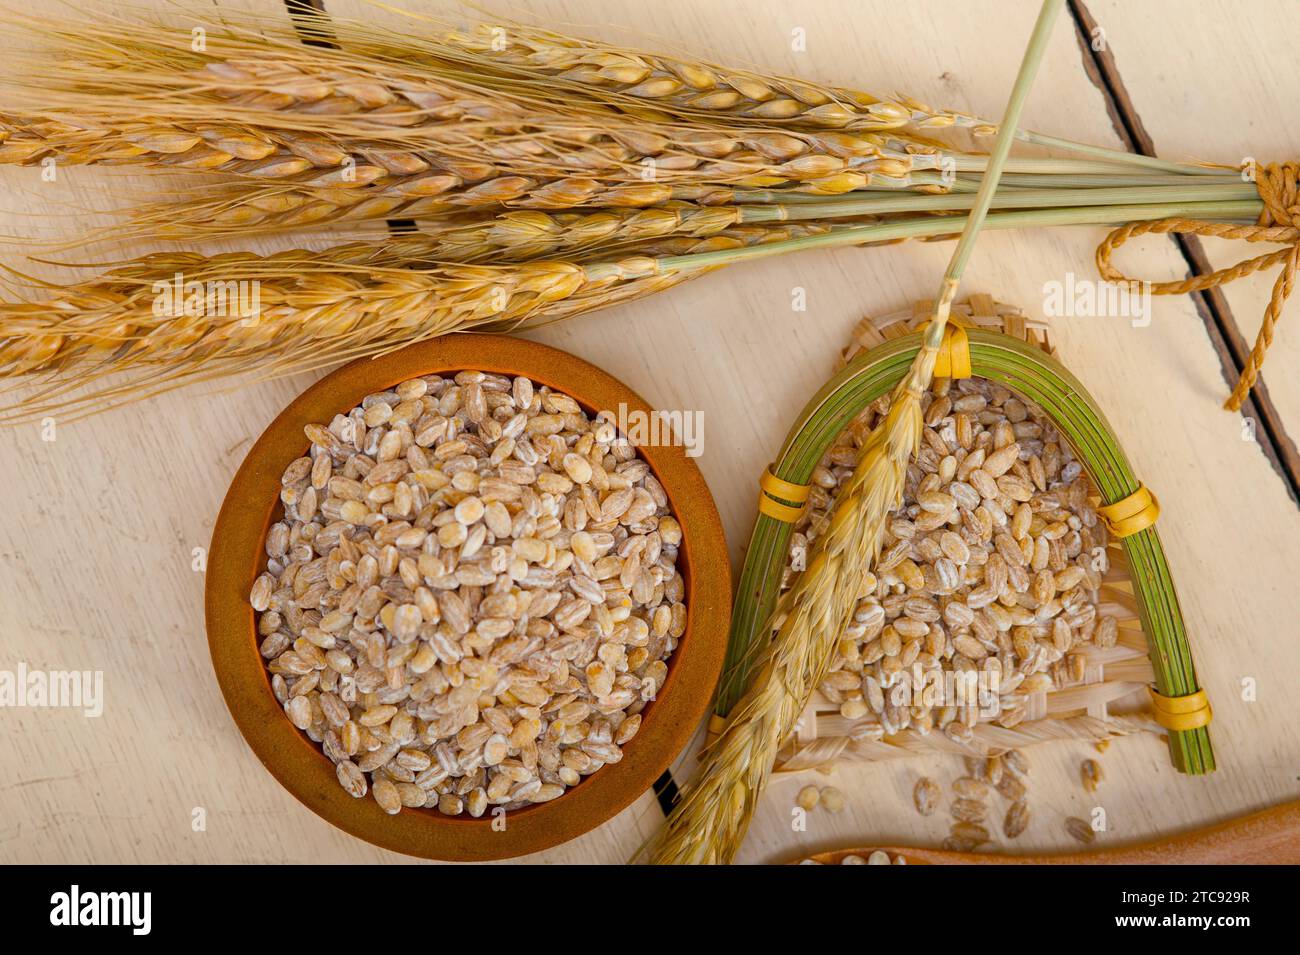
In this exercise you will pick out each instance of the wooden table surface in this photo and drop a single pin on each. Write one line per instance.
(98, 541)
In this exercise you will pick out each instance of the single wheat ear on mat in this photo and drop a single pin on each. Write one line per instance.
(709, 822)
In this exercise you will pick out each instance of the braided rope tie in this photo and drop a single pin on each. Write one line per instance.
(1279, 188)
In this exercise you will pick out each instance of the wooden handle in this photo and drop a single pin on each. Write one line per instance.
(1268, 837)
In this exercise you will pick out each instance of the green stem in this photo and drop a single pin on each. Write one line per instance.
(1022, 199)
(881, 185)
(1119, 156)
(1026, 171)
(926, 226)
(1110, 181)
(1047, 166)
(997, 160)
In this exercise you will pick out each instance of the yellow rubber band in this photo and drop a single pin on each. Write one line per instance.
(782, 512)
(1181, 712)
(785, 490)
(953, 360)
(1134, 513)
(1185, 721)
(716, 725)
(772, 487)
(1179, 704)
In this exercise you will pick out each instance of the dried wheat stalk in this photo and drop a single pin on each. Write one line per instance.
(88, 331)
(659, 87)
(320, 135)
(324, 105)
(300, 184)
(709, 822)
(112, 129)
(316, 308)
(506, 56)
(521, 235)
(663, 87)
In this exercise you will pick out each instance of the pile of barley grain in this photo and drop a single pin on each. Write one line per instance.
(992, 564)
(472, 595)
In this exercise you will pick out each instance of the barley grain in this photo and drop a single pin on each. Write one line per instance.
(1090, 772)
(968, 787)
(832, 799)
(400, 632)
(926, 795)
(1016, 820)
(1011, 787)
(968, 810)
(1080, 830)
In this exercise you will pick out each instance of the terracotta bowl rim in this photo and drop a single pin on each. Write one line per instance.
(236, 557)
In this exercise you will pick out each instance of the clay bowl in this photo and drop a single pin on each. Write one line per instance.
(237, 556)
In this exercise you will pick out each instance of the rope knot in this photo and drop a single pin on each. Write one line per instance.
(1279, 188)
(1278, 185)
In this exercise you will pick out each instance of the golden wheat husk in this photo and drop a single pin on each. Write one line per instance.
(315, 308)
(506, 58)
(325, 105)
(710, 820)
(666, 87)
(70, 342)
(520, 235)
(284, 190)
(316, 136)
(286, 209)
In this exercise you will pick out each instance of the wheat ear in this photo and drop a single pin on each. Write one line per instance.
(104, 90)
(710, 821)
(71, 342)
(300, 186)
(663, 87)
(314, 308)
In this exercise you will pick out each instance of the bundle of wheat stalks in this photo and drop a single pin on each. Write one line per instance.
(584, 173)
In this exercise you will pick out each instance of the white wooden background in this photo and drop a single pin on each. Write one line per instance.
(99, 526)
